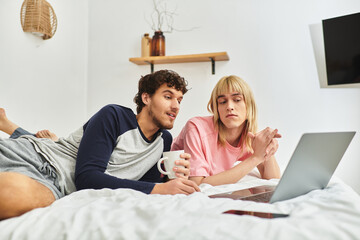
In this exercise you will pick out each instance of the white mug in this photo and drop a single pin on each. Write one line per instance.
(169, 159)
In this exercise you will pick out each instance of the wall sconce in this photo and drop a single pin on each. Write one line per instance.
(38, 17)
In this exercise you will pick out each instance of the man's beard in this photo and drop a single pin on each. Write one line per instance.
(157, 122)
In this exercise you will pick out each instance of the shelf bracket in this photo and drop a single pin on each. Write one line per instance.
(151, 67)
(212, 65)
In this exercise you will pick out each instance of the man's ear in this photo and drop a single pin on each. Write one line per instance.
(145, 97)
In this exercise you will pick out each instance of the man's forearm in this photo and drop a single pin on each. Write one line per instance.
(99, 180)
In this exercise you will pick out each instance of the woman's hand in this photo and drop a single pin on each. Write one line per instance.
(264, 143)
(183, 170)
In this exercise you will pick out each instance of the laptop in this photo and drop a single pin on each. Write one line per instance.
(311, 166)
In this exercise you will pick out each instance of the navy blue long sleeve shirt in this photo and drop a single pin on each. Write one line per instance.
(114, 153)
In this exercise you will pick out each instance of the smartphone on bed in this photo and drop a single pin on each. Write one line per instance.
(256, 214)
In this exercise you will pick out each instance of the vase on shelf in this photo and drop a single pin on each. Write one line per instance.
(158, 44)
(146, 45)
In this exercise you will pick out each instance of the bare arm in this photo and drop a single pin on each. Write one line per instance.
(232, 175)
(264, 145)
(269, 169)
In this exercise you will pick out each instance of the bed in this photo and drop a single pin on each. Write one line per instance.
(332, 213)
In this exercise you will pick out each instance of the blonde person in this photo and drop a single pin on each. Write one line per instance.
(217, 142)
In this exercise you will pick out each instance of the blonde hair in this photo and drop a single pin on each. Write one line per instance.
(234, 84)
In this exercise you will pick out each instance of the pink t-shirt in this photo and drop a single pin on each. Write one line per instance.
(208, 157)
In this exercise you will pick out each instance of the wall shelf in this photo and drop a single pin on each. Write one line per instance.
(203, 57)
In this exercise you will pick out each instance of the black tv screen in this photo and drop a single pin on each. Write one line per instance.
(342, 49)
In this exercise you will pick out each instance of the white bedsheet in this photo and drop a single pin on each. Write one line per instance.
(332, 213)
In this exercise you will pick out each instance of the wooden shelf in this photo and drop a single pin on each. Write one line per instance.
(204, 57)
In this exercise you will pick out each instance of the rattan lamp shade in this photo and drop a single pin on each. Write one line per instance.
(38, 17)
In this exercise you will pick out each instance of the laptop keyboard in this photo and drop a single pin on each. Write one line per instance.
(261, 197)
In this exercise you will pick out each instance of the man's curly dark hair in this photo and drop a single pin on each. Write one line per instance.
(151, 82)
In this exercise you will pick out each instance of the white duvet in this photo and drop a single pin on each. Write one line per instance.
(332, 213)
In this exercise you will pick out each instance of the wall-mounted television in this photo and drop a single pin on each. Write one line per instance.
(342, 49)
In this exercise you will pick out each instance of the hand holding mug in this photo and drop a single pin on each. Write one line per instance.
(176, 164)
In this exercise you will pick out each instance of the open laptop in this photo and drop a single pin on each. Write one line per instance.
(311, 166)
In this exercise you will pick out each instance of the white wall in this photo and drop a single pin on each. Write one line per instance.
(43, 83)
(59, 83)
(269, 45)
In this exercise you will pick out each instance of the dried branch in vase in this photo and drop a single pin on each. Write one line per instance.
(162, 18)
